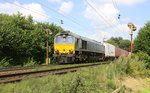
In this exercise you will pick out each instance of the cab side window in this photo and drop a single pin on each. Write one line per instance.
(77, 43)
(84, 44)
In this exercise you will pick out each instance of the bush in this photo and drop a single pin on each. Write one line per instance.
(5, 62)
(30, 62)
(130, 65)
(144, 57)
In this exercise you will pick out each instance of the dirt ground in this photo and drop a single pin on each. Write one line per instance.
(133, 85)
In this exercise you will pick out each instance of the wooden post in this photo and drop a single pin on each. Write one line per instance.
(48, 31)
(47, 49)
(131, 40)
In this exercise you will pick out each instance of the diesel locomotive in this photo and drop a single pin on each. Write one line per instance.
(72, 48)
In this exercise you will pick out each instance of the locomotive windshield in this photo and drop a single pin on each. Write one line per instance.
(59, 40)
(64, 40)
(69, 40)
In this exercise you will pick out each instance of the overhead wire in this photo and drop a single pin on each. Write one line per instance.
(101, 16)
(106, 17)
(119, 21)
(38, 12)
(112, 18)
(66, 17)
(105, 21)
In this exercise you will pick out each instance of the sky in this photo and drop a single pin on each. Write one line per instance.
(95, 19)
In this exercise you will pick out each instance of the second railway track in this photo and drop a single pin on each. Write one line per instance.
(22, 68)
(12, 77)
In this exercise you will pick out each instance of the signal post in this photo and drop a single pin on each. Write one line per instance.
(132, 28)
(48, 32)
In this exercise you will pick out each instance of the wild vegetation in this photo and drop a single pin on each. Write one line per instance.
(119, 42)
(100, 79)
(22, 40)
(142, 41)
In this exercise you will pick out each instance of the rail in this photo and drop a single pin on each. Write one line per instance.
(30, 74)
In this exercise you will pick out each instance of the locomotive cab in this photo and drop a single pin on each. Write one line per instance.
(64, 47)
(64, 44)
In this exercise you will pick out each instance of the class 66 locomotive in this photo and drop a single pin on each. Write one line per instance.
(72, 48)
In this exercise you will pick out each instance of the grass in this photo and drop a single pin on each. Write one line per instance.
(5, 62)
(64, 66)
(146, 90)
(69, 83)
(99, 79)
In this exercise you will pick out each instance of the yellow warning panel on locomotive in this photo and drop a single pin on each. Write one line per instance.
(64, 48)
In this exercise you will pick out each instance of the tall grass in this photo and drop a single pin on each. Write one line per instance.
(5, 62)
(30, 62)
(130, 65)
(100, 79)
(144, 57)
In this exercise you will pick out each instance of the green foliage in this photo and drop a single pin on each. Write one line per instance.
(119, 42)
(144, 57)
(100, 79)
(5, 62)
(21, 38)
(84, 81)
(125, 44)
(142, 41)
(115, 41)
(130, 65)
(30, 62)
(112, 42)
(146, 90)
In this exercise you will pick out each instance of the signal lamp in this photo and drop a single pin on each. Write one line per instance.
(71, 51)
(57, 51)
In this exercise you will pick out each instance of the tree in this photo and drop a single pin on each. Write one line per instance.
(142, 41)
(112, 42)
(125, 44)
(119, 42)
(115, 41)
(21, 39)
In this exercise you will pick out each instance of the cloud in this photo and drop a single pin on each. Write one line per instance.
(12, 8)
(54, 0)
(125, 20)
(106, 14)
(105, 21)
(123, 2)
(100, 36)
(66, 7)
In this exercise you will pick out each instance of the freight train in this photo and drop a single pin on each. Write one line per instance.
(72, 48)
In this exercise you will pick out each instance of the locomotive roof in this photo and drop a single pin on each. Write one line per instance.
(77, 36)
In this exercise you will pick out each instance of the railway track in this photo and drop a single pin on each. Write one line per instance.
(13, 77)
(23, 68)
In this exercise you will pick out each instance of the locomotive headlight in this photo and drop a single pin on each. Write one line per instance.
(56, 51)
(71, 51)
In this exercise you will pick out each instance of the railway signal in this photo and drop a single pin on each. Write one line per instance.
(119, 16)
(132, 28)
(48, 32)
(61, 21)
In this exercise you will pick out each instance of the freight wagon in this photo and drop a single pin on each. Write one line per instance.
(120, 52)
